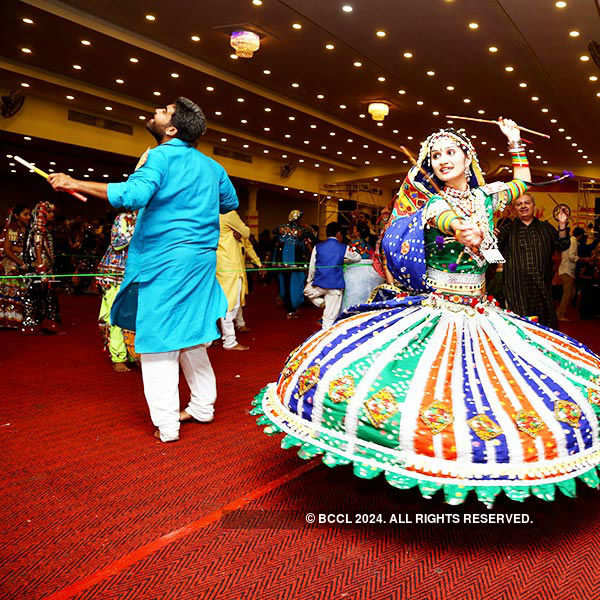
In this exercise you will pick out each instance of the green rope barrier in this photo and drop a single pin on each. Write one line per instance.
(294, 267)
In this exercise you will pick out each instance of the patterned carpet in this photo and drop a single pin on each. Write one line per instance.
(93, 507)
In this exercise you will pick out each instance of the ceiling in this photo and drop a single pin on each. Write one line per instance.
(253, 106)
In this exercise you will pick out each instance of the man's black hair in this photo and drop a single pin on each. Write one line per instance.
(189, 120)
(578, 231)
(332, 229)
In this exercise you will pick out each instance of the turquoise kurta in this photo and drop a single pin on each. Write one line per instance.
(170, 294)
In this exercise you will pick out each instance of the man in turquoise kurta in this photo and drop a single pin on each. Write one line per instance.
(170, 294)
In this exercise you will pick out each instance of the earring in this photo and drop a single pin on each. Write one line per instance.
(468, 171)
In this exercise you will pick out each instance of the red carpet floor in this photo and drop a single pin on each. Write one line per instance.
(93, 507)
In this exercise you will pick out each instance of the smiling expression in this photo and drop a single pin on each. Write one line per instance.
(448, 161)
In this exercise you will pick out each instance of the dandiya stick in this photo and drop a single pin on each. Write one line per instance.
(497, 123)
(45, 176)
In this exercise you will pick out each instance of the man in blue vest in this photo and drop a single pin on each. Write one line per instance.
(325, 284)
(170, 295)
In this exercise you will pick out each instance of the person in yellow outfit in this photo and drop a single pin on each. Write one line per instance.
(231, 273)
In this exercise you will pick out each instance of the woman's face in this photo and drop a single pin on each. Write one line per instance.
(24, 216)
(448, 161)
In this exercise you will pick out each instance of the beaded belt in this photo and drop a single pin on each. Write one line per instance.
(467, 284)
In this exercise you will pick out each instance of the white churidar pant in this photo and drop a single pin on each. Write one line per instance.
(160, 373)
(227, 326)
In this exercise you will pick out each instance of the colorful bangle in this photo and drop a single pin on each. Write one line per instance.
(445, 220)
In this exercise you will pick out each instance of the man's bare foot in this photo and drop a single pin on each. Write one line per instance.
(121, 367)
(185, 417)
(244, 329)
(238, 347)
(157, 436)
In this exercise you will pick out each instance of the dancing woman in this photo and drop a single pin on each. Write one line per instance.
(442, 389)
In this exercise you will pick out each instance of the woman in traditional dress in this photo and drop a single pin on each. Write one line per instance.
(443, 389)
(293, 245)
(41, 302)
(12, 291)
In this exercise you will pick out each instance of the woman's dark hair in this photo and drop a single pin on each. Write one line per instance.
(189, 120)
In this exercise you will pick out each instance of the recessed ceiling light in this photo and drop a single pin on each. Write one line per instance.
(174, 75)
(26, 138)
(210, 88)
(329, 46)
(450, 88)
(323, 147)
(195, 38)
(420, 102)
(593, 78)
(410, 137)
(295, 85)
(379, 124)
(266, 151)
(509, 69)
(301, 160)
(357, 63)
(381, 78)
(339, 152)
(584, 58)
(523, 84)
(218, 113)
(25, 85)
(296, 26)
(267, 72)
(70, 97)
(553, 121)
(350, 140)
(292, 118)
(362, 115)
(233, 56)
(27, 20)
(568, 137)
(313, 126)
(408, 55)
(560, 4)
(266, 129)
(120, 81)
(87, 176)
(493, 49)
(561, 129)
(287, 136)
(545, 110)
(77, 67)
(268, 109)
(245, 146)
(367, 162)
(241, 99)
(435, 113)
(467, 100)
(108, 108)
(142, 118)
(431, 73)
(534, 98)
(150, 18)
(402, 92)
(133, 59)
(156, 93)
(223, 139)
(243, 121)
(481, 111)
(574, 145)
(347, 8)
(380, 33)
(473, 25)
(86, 42)
(574, 33)
(257, 2)
(25, 50)
(354, 157)
(320, 96)
(332, 133)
